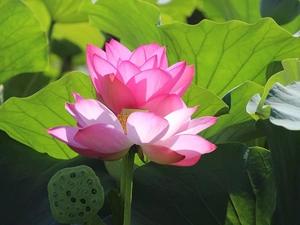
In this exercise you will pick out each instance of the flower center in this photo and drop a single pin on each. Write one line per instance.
(123, 116)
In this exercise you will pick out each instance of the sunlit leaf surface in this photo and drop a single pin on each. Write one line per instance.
(26, 119)
(23, 44)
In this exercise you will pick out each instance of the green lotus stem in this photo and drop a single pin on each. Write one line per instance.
(126, 184)
(49, 34)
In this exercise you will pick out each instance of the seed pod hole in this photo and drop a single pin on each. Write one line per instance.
(81, 214)
(88, 209)
(82, 173)
(62, 178)
(73, 199)
(71, 183)
(82, 201)
(71, 215)
(89, 182)
(80, 182)
(68, 193)
(72, 175)
(54, 194)
(94, 191)
(56, 204)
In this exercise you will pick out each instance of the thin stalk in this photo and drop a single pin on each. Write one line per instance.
(126, 184)
(123, 181)
(49, 35)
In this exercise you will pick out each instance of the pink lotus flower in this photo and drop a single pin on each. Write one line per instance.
(169, 139)
(125, 79)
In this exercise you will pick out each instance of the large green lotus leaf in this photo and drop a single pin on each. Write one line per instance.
(23, 43)
(237, 125)
(284, 147)
(56, 11)
(25, 174)
(136, 25)
(233, 185)
(224, 54)
(41, 12)
(178, 10)
(26, 119)
(291, 71)
(80, 34)
(224, 10)
(76, 31)
(65, 11)
(256, 106)
(209, 103)
(243, 10)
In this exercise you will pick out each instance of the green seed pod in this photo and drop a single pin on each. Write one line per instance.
(75, 194)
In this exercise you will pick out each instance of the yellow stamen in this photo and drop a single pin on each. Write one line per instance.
(123, 116)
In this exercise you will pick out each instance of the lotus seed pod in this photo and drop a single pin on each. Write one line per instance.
(75, 194)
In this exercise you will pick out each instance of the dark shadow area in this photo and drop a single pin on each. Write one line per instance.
(196, 17)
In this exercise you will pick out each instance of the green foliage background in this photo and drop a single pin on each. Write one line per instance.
(237, 56)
